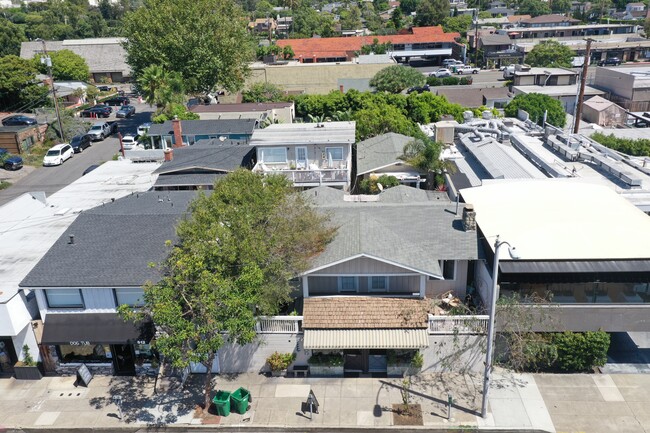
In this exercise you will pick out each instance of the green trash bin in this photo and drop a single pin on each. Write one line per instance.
(239, 400)
(222, 402)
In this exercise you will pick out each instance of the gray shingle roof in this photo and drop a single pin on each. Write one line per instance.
(206, 127)
(187, 179)
(101, 54)
(380, 151)
(113, 243)
(496, 39)
(414, 235)
(206, 157)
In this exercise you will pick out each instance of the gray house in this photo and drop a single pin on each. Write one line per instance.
(380, 155)
(177, 133)
(309, 154)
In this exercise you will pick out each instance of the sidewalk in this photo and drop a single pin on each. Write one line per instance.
(54, 402)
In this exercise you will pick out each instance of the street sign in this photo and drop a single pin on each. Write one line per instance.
(84, 375)
(312, 402)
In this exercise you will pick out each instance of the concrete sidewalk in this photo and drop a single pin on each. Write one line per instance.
(54, 402)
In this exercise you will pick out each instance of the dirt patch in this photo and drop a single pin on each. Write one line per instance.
(13, 176)
(207, 417)
(407, 415)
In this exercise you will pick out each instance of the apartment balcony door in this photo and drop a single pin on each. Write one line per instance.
(301, 157)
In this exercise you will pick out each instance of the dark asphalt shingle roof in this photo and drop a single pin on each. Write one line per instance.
(207, 158)
(380, 151)
(188, 179)
(114, 243)
(206, 127)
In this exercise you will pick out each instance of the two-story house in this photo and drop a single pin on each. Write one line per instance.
(100, 262)
(309, 154)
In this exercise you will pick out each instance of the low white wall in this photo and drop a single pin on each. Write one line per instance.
(251, 358)
(454, 353)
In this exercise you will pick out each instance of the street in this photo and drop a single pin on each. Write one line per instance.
(51, 179)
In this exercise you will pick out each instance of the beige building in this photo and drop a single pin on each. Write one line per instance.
(603, 112)
(629, 87)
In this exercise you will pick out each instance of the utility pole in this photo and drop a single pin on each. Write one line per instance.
(581, 96)
(48, 62)
(476, 34)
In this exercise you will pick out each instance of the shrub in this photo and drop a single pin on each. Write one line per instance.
(280, 361)
(450, 81)
(580, 351)
(326, 359)
(417, 361)
(28, 361)
(370, 186)
(434, 81)
(466, 81)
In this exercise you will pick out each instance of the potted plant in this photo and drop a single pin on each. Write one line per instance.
(403, 362)
(279, 362)
(27, 368)
(326, 364)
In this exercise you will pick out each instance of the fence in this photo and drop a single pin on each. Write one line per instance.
(278, 325)
(458, 324)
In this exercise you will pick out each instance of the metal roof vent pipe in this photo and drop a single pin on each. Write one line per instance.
(71, 241)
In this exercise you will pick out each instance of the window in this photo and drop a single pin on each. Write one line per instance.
(378, 284)
(88, 353)
(64, 298)
(274, 155)
(131, 297)
(348, 284)
(448, 268)
(334, 153)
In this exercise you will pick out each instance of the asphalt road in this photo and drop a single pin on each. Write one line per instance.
(52, 179)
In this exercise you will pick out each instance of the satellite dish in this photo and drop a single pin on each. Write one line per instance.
(380, 187)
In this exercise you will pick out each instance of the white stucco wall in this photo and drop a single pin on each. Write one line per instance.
(251, 358)
(449, 353)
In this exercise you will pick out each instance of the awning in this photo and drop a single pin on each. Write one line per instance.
(322, 339)
(569, 266)
(82, 329)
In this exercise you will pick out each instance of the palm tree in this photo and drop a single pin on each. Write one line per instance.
(425, 156)
(161, 88)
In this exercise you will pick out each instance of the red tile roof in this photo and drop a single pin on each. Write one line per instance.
(345, 47)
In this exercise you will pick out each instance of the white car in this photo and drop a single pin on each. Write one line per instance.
(58, 154)
(130, 141)
(441, 73)
(144, 128)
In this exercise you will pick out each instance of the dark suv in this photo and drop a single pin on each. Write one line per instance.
(118, 100)
(611, 61)
(97, 111)
(80, 142)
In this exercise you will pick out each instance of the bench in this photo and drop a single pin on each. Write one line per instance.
(299, 371)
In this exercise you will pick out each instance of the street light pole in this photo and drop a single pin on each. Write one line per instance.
(493, 307)
(48, 62)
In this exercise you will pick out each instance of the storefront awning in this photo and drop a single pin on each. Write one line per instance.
(325, 339)
(80, 329)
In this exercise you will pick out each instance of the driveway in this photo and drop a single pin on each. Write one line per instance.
(51, 179)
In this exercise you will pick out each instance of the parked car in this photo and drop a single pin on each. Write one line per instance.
(58, 154)
(441, 73)
(80, 142)
(144, 128)
(118, 100)
(9, 161)
(18, 120)
(89, 169)
(104, 88)
(419, 89)
(97, 111)
(130, 141)
(610, 61)
(448, 62)
(125, 111)
(466, 69)
(100, 130)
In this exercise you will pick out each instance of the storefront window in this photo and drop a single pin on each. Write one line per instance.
(89, 353)
(143, 353)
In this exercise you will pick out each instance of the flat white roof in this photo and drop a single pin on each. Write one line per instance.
(560, 219)
(544, 71)
(305, 133)
(570, 90)
(29, 227)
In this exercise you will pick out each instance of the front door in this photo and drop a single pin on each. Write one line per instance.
(355, 361)
(301, 157)
(123, 359)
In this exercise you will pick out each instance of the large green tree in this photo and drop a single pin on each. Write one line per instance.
(160, 87)
(205, 41)
(431, 12)
(535, 104)
(19, 89)
(550, 53)
(425, 156)
(11, 36)
(396, 78)
(66, 66)
(236, 252)
(534, 7)
(263, 92)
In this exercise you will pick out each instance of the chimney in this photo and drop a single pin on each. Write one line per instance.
(178, 132)
(169, 154)
(469, 218)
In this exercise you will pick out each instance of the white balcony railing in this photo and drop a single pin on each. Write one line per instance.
(458, 324)
(319, 176)
(278, 324)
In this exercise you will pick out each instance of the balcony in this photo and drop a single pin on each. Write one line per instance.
(311, 176)
(458, 324)
(278, 324)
